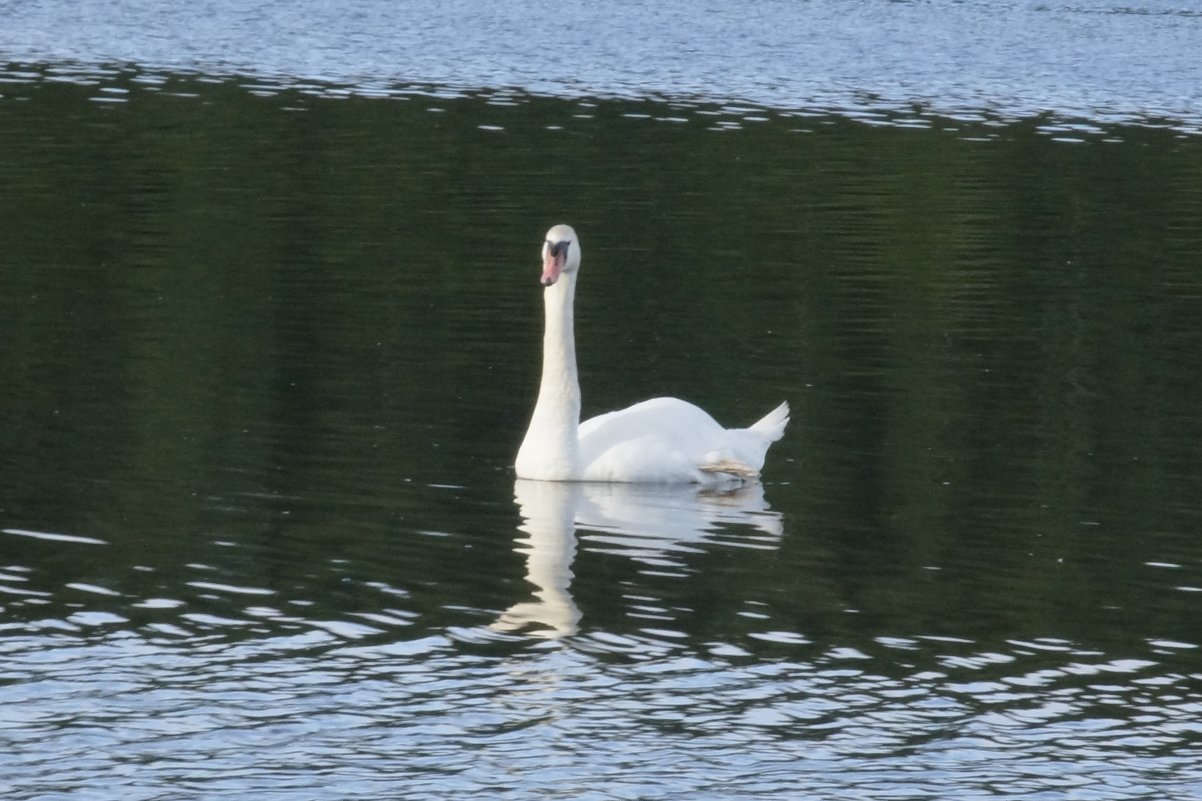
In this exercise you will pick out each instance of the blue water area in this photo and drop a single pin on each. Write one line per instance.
(270, 326)
(1084, 61)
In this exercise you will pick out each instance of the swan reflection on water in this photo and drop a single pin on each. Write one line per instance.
(657, 526)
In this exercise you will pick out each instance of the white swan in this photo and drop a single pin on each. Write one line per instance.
(663, 440)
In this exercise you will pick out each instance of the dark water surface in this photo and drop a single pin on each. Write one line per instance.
(269, 346)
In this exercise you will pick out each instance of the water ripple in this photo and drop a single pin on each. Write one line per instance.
(899, 64)
(258, 717)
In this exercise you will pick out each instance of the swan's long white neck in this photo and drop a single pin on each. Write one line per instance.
(551, 450)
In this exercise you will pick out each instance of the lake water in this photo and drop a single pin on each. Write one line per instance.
(271, 320)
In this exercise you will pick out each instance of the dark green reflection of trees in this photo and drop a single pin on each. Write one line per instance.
(211, 294)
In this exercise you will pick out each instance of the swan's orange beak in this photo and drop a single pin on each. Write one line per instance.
(554, 256)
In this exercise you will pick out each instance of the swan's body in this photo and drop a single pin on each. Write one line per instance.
(663, 440)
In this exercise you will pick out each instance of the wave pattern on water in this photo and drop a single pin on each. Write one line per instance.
(1083, 64)
(237, 691)
(922, 718)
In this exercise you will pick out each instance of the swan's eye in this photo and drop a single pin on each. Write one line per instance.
(557, 249)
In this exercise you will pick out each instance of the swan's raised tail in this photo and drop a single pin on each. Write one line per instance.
(772, 426)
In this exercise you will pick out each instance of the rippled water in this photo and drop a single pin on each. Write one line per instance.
(432, 717)
(270, 326)
(220, 689)
(1085, 61)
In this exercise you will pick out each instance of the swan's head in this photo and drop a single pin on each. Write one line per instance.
(561, 253)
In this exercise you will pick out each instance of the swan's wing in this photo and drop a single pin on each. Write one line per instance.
(669, 440)
(667, 418)
(660, 440)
